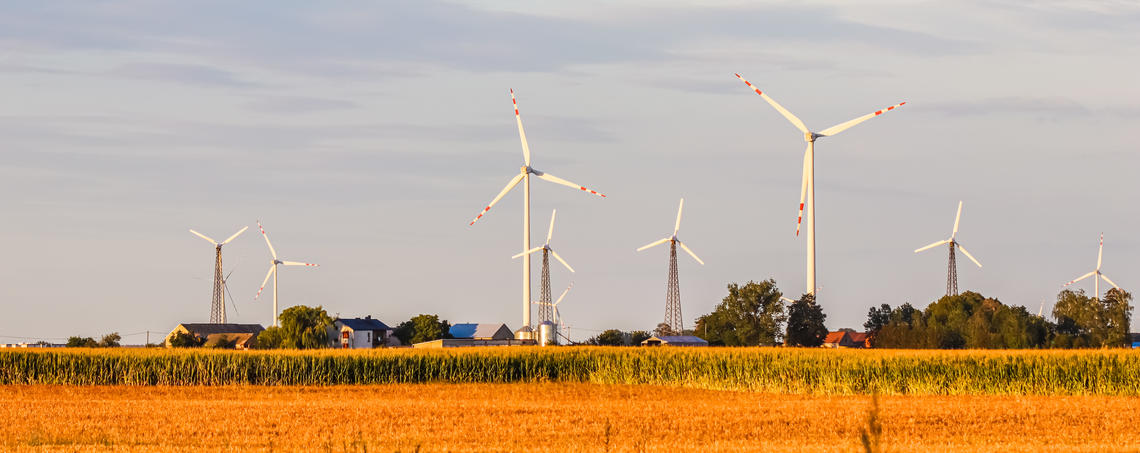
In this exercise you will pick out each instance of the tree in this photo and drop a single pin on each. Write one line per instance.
(110, 340)
(611, 337)
(1084, 321)
(81, 342)
(638, 336)
(750, 315)
(405, 331)
(222, 342)
(429, 328)
(664, 330)
(805, 323)
(185, 340)
(301, 327)
(877, 318)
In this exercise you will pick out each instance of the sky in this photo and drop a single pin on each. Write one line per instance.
(366, 135)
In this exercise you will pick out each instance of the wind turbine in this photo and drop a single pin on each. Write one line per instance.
(807, 188)
(544, 313)
(1096, 283)
(524, 175)
(952, 268)
(218, 302)
(273, 271)
(672, 288)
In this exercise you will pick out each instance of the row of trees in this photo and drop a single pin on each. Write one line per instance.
(970, 320)
(110, 340)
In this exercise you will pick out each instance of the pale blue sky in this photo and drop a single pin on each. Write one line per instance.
(365, 135)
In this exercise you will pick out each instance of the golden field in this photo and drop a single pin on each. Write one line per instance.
(543, 417)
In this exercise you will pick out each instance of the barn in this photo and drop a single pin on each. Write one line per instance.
(674, 340)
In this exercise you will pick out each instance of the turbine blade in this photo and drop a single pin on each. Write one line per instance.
(1100, 252)
(264, 282)
(242, 230)
(522, 135)
(550, 232)
(677, 226)
(1105, 277)
(690, 252)
(936, 244)
(847, 125)
(571, 285)
(956, 219)
(557, 180)
(271, 251)
(212, 241)
(510, 185)
(560, 260)
(654, 244)
(803, 190)
(783, 111)
(528, 252)
(1078, 279)
(230, 296)
(298, 263)
(968, 255)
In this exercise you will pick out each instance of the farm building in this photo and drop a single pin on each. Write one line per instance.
(360, 333)
(1136, 340)
(481, 331)
(244, 336)
(846, 339)
(469, 342)
(674, 340)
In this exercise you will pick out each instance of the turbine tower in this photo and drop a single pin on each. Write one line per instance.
(952, 268)
(524, 175)
(218, 302)
(1096, 282)
(545, 309)
(672, 288)
(807, 188)
(558, 327)
(273, 271)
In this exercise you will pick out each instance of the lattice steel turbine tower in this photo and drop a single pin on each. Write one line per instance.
(952, 267)
(672, 287)
(545, 306)
(218, 302)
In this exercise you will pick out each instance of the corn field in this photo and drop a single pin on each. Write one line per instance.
(771, 370)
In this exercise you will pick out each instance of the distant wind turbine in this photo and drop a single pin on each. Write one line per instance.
(1096, 272)
(273, 271)
(952, 268)
(673, 287)
(218, 302)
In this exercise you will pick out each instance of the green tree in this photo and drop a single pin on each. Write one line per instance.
(405, 331)
(664, 330)
(750, 315)
(638, 336)
(270, 338)
(1084, 321)
(805, 323)
(611, 337)
(110, 340)
(222, 342)
(82, 342)
(301, 327)
(185, 340)
(429, 328)
(877, 318)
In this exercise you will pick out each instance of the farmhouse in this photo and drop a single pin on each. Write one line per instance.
(846, 339)
(674, 340)
(360, 333)
(244, 336)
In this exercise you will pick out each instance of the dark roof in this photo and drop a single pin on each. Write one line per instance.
(204, 329)
(858, 337)
(363, 324)
(480, 330)
(680, 339)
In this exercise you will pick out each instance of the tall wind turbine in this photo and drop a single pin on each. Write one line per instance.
(1096, 272)
(952, 268)
(544, 306)
(218, 302)
(273, 271)
(673, 287)
(524, 175)
(807, 188)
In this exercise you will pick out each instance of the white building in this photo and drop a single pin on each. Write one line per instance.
(360, 333)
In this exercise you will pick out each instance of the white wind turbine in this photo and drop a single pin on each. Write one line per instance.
(952, 268)
(1096, 272)
(807, 188)
(544, 288)
(524, 175)
(554, 306)
(218, 302)
(673, 287)
(273, 271)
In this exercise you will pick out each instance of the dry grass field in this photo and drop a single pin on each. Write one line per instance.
(542, 417)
